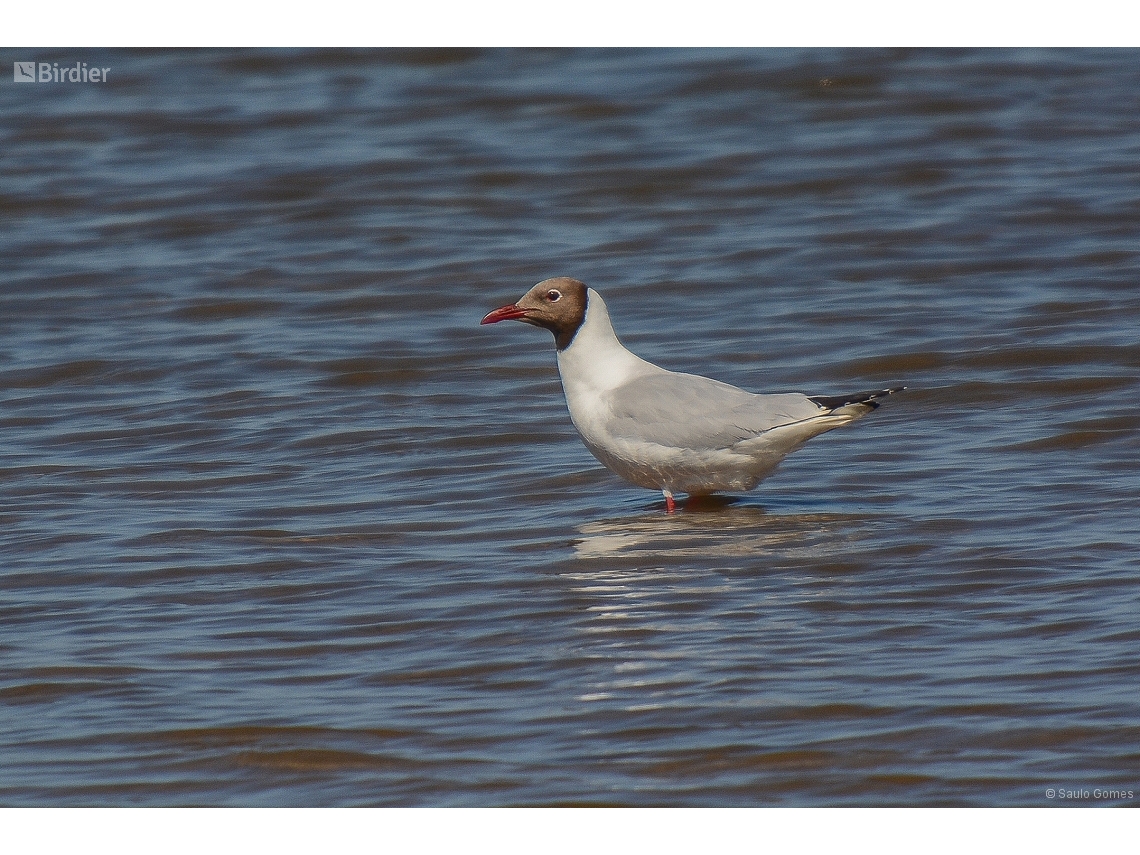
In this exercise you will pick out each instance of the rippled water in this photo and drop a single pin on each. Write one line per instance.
(282, 525)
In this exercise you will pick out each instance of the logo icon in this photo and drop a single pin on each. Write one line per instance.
(24, 72)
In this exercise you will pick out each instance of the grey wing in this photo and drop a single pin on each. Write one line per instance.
(687, 411)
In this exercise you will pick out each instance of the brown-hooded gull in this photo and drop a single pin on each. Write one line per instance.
(677, 433)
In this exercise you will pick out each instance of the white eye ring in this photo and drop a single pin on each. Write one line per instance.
(553, 296)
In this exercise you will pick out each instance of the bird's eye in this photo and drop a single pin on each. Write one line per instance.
(553, 296)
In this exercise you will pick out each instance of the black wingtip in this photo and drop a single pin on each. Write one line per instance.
(868, 399)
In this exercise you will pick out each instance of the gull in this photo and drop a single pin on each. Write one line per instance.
(660, 429)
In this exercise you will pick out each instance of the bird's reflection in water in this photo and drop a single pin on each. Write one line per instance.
(656, 589)
(715, 526)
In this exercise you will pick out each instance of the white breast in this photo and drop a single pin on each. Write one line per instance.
(594, 364)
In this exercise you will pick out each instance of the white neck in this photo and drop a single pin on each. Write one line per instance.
(595, 361)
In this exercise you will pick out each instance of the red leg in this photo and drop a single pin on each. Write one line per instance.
(670, 505)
